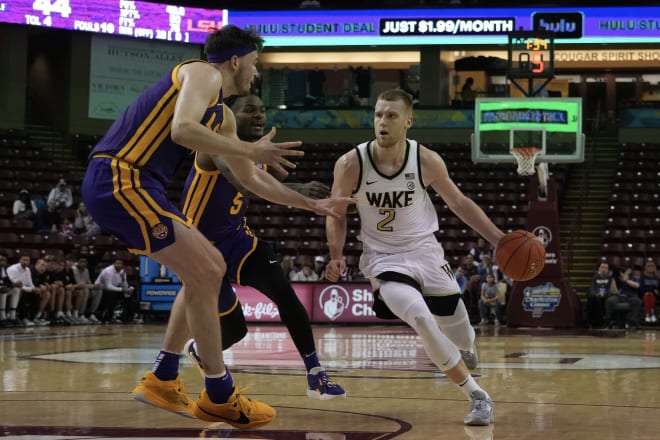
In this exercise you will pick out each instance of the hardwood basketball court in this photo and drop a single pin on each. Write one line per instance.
(75, 383)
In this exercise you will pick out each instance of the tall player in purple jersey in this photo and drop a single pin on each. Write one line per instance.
(216, 203)
(124, 189)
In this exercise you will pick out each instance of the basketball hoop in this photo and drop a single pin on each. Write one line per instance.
(525, 156)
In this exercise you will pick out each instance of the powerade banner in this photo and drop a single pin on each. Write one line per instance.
(158, 284)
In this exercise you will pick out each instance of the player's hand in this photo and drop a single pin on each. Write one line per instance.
(274, 154)
(315, 190)
(334, 269)
(333, 207)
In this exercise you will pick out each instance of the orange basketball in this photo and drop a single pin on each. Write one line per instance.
(520, 255)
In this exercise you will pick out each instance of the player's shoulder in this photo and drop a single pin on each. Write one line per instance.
(426, 153)
(199, 72)
(349, 157)
(348, 164)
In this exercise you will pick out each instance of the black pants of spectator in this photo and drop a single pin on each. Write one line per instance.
(632, 315)
(595, 310)
(129, 307)
(28, 305)
(109, 301)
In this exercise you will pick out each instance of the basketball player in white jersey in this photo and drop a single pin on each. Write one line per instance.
(401, 256)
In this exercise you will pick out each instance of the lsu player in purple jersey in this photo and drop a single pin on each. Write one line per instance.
(124, 189)
(216, 202)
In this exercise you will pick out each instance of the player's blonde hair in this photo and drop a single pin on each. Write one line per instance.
(397, 95)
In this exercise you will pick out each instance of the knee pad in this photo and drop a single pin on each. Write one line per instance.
(457, 327)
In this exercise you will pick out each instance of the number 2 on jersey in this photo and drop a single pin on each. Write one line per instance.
(389, 214)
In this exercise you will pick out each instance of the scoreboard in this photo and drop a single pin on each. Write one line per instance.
(531, 55)
(132, 18)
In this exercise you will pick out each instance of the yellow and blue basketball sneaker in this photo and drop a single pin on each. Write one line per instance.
(166, 394)
(239, 411)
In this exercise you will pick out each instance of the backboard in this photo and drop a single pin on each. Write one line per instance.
(552, 124)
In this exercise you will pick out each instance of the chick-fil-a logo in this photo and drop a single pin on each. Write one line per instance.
(260, 309)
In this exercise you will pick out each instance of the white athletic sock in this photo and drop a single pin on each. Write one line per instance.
(469, 385)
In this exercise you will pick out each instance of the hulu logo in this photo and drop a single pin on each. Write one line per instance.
(562, 24)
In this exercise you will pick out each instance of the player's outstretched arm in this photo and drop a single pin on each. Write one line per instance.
(267, 187)
(345, 180)
(434, 174)
(200, 85)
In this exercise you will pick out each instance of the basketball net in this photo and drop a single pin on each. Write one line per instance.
(525, 156)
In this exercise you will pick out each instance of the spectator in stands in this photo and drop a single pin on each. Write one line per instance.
(473, 288)
(461, 279)
(93, 257)
(94, 292)
(24, 207)
(48, 219)
(480, 250)
(470, 266)
(67, 228)
(21, 279)
(601, 287)
(43, 288)
(306, 274)
(319, 266)
(61, 195)
(116, 290)
(627, 293)
(490, 301)
(649, 283)
(79, 291)
(5, 286)
(84, 223)
(288, 266)
(61, 281)
(485, 267)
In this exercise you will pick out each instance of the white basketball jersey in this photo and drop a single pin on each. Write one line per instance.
(396, 212)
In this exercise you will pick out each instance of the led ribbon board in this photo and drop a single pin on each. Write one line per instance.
(129, 18)
(323, 28)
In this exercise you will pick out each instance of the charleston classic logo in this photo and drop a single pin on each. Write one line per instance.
(334, 301)
(159, 231)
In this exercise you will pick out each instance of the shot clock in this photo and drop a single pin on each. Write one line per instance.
(531, 55)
